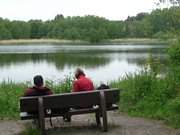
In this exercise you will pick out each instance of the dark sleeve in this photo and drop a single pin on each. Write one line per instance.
(28, 92)
(49, 91)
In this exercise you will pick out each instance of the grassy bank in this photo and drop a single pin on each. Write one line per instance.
(142, 41)
(139, 41)
(42, 41)
(146, 96)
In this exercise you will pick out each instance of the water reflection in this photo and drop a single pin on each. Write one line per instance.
(60, 60)
(101, 63)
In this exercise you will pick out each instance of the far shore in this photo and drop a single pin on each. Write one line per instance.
(122, 41)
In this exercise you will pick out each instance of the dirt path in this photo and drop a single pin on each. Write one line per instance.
(11, 127)
(85, 125)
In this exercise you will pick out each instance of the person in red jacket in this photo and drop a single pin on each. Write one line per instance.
(38, 89)
(82, 83)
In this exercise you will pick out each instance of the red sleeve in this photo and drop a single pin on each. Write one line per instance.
(75, 87)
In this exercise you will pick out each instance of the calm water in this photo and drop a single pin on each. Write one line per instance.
(102, 63)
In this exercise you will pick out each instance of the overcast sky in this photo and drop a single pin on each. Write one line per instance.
(48, 9)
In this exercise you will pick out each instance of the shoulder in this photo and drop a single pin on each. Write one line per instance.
(76, 81)
(48, 90)
(29, 91)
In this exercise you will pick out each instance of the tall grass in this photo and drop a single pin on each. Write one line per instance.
(9, 98)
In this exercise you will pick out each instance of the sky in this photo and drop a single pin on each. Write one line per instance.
(48, 9)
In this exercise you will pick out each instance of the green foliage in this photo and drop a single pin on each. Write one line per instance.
(145, 95)
(4, 32)
(61, 86)
(20, 30)
(161, 23)
(9, 99)
(174, 53)
(30, 131)
(172, 112)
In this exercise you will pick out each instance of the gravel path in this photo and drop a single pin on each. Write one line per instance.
(85, 125)
(11, 127)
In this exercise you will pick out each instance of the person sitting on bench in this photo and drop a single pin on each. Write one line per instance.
(82, 83)
(38, 89)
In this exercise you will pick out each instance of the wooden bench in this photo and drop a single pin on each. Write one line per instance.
(98, 102)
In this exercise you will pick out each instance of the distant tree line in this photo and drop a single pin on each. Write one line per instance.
(160, 23)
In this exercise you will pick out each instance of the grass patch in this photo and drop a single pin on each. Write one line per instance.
(147, 96)
(42, 41)
(138, 41)
(30, 131)
(9, 99)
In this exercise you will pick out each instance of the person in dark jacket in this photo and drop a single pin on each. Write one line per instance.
(38, 89)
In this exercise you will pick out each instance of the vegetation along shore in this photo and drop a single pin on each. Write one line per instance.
(96, 29)
(122, 41)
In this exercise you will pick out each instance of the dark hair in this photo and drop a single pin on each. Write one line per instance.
(79, 72)
(38, 80)
(103, 86)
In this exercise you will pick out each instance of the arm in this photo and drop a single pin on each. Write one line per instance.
(28, 92)
(48, 91)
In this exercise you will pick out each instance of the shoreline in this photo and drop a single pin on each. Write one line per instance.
(122, 41)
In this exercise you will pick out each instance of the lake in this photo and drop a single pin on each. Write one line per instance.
(102, 63)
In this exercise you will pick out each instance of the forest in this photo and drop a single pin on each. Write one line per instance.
(160, 23)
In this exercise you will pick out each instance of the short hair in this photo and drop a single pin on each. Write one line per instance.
(79, 72)
(38, 80)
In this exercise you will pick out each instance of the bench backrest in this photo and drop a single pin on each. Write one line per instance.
(68, 100)
(112, 96)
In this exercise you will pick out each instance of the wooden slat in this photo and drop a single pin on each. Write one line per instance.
(28, 104)
(72, 100)
(112, 96)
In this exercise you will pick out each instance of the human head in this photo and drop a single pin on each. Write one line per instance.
(79, 72)
(38, 80)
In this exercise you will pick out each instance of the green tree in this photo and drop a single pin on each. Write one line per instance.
(4, 33)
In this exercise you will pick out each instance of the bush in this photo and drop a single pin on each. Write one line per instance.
(174, 53)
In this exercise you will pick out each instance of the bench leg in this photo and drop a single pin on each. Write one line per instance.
(41, 116)
(67, 118)
(98, 121)
(103, 109)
